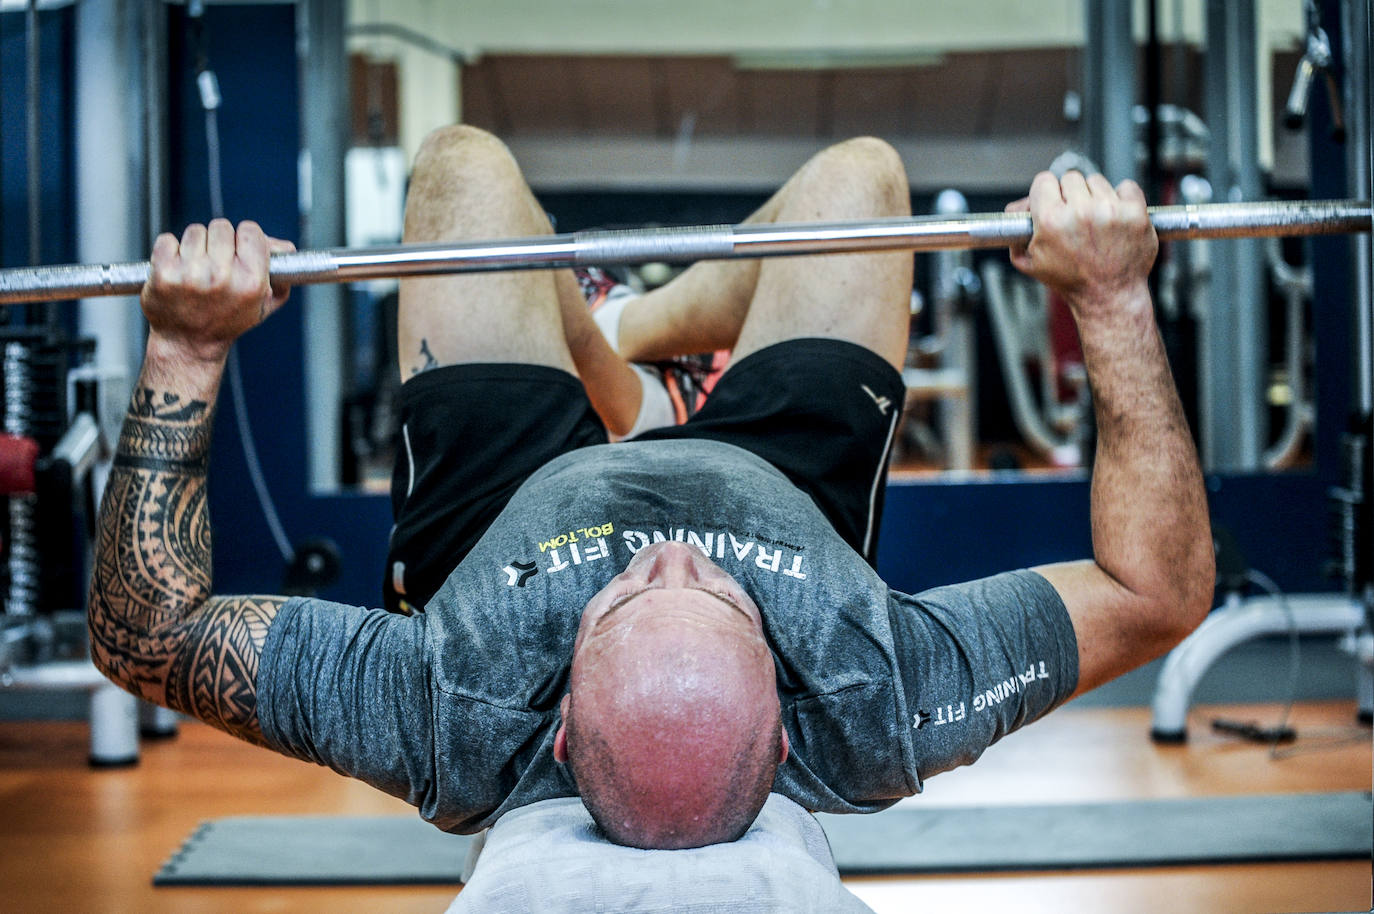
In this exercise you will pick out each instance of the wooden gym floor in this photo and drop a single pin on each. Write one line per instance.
(78, 840)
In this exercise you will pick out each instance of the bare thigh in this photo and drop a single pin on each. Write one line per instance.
(466, 185)
(861, 298)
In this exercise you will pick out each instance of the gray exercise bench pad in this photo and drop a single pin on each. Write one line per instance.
(338, 850)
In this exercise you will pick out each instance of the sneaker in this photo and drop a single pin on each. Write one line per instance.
(691, 378)
(596, 284)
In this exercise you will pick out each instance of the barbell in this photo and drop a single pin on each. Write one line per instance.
(703, 242)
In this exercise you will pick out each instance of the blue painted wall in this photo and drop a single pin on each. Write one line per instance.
(252, 50)
(56, 100)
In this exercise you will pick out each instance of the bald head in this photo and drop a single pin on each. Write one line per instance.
(672, 726)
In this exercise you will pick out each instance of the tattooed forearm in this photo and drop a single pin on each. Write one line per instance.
(169, 407)
(155, 629)
(163, 432)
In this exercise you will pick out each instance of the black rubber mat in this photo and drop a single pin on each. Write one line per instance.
(332, 850)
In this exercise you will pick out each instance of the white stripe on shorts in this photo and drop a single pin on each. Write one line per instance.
(878, 478)
(410, 460)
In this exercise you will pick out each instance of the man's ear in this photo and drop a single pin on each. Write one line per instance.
(560, 739)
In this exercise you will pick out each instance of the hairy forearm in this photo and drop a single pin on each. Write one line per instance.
(1149, 513)
(155, 629)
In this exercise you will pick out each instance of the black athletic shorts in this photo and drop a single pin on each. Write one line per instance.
(823, 412)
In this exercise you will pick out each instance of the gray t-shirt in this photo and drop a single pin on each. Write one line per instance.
(455, 709)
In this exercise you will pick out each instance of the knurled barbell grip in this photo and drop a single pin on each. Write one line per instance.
(692, 243)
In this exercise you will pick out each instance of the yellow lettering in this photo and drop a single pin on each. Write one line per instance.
(573, 536)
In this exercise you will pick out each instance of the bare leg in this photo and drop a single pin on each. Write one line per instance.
(466, 185)
(701, 310)
(749, 304)
(862, 298)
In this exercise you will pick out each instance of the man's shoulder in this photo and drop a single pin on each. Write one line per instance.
(1007, 587)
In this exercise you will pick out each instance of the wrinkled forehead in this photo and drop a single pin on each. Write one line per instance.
(669, 566)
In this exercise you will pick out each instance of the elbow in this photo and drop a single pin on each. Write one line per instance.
(103, 635)
(101, 617)
(96, 616)
(1190, 596)
(1175, 599)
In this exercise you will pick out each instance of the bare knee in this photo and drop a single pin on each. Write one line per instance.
(462, 173)
(863, 173)
(874, 161)
(458, 137)
(448, 152)
(871, 154)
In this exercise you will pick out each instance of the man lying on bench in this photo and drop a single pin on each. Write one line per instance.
(676, 627)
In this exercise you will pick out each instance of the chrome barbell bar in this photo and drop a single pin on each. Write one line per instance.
(704, 242)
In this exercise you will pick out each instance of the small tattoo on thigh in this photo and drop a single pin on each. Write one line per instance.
(429, 360)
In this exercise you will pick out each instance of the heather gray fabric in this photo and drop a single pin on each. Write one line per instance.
(549, 857)
(455, 709)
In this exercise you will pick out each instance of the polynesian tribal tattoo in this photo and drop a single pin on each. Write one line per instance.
(155, 628)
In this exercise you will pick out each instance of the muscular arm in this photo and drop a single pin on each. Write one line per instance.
(155, 628)
(1150, 581)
